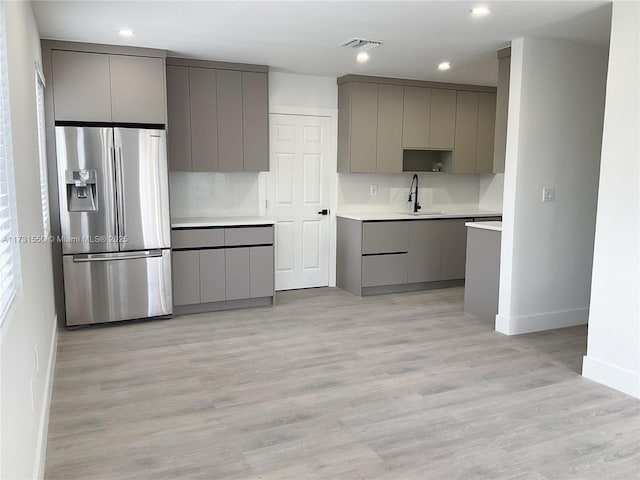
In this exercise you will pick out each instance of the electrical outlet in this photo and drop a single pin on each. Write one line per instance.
(35, 351)
(548, 194)
(373, 190)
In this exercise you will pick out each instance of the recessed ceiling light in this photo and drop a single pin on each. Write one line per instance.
(444, 66)
(125, 32)
(362, 57)
(480, 11)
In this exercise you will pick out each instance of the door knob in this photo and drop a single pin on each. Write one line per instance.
(323, 212)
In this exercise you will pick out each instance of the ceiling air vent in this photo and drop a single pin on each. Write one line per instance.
(361, 44)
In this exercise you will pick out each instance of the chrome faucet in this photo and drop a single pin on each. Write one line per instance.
(416, 205)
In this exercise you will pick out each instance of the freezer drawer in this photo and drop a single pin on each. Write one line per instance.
(117, 286)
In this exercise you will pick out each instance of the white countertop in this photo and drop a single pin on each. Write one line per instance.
(496, 226)
(219, 222)
(367, 217)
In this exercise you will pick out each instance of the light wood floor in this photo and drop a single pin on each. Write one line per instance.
(330, 386)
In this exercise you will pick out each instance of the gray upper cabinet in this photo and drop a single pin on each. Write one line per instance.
(222, 124)
(97, 87)
(137, 89)
(486, 133)
(380, 118)
(230, 142)
(255, 120)
(203, 119)
(442, 120)
(82, 90)
(475, 119)
(358, 124)
(502, 109)
(179, 125)
(464, 152)
(416, 117)
(389, 136)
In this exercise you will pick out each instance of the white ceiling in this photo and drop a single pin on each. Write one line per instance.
(303, 36)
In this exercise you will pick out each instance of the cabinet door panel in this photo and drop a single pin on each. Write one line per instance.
(486, 132)
(389, 136)
(364, 126)
(186, 277)
(203, 119)
(248, 236)
(385, 237)
(416, 115)
(453, 249)
(378, 270)
(81, 86)
(255, 121)
(178, 119)
(230, 143)
(262, 272)
(464, 152)
(137, 89)
(212, 275)
(442, 119)
(424, 251)
(237, 273)
(502, 110)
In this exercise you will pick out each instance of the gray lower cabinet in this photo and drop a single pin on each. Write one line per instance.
(261, 273)
(214, 266)
(212, 279)
(392, 256)
(237, 273)
(453, 248)
(186, 277)
(390, 269)
(424, 251)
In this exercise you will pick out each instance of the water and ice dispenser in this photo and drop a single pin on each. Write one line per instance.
(82, 194)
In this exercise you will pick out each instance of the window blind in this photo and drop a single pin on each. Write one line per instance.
(42, 143)
(9, 252)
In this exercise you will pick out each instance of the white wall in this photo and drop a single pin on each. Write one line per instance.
(556, 106)
(437, 192)
(32, 323)
(491, 192)
(613, 353)
(302, 91)
(209, 194)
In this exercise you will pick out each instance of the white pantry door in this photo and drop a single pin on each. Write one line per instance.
(298, 189)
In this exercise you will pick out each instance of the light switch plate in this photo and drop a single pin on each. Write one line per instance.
(548, 194)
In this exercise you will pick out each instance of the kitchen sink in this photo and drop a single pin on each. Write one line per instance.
(425, 213)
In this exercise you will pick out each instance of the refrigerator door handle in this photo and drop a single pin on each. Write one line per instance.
(106, 257)
(122, 231)
(115, 182)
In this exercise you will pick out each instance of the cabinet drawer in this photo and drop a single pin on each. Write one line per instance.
(380, 270)
(197, 238)
(248, 236)
(385, 237)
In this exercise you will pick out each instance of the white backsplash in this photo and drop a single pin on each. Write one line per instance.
(437, 191)
(491, 191)
(209, 194)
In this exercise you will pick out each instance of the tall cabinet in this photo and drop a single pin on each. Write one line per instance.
(217, 116)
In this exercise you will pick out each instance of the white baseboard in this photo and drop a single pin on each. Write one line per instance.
(612, 376)
(41, 448)
(543, 321)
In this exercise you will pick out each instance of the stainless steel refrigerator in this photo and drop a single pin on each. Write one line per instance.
(115, 223)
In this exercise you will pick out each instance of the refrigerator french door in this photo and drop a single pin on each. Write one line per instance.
(115, 223)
